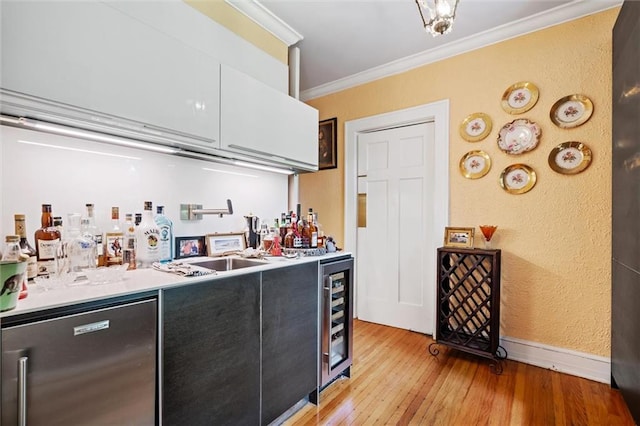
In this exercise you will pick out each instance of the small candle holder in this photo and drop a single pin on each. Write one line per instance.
(487, 233)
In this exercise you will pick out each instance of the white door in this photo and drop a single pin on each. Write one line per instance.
(396, 277)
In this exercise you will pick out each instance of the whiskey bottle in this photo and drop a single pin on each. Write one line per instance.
(129, 250)
(147, 239)
(47, 239)
(114, 240)
(165, 226)
(21, 231)
(96, 233)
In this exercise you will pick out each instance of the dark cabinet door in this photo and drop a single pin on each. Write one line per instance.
(289, 337)
(211, 357)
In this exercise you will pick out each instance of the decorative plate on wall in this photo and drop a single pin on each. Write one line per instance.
(571, 111)
(570, 158)
(475, 164)
(519, 136)
(476, 127)
(517, 179)
(520, 97)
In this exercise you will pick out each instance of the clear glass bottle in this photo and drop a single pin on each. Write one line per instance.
(12, 250)
(165, 226)
(147, 239)
(129, 251)
(47, 239)
(80, 248)
(96, 232)
(114, 240)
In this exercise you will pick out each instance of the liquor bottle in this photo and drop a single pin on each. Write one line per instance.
(96, 232)
(289, 237)
(79, 249)
(165, 226)
(21, 231)
(313, 231)
(129, 251)
(114, 240)
(321, 237)
(47, 239)
(147, 239)
(138, 219)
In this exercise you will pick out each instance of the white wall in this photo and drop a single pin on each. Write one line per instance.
(107, 175)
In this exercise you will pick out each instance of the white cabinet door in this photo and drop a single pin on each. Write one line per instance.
(258, 120)
(90, 55)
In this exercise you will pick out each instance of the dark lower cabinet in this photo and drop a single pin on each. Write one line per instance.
(289, 337)
(211, 353)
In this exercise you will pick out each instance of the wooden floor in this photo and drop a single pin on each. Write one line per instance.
(395, 380)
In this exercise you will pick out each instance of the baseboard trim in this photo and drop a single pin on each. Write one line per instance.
(576, 363)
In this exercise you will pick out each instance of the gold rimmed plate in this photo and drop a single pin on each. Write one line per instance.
(571, 111)
(519, 136)
(475, 164)
(518, 179)
(570, 158)
(475, 127)
(520, 97)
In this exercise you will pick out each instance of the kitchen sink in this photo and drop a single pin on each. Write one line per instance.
(228, 263)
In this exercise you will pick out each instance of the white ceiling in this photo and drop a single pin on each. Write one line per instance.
(347, 42)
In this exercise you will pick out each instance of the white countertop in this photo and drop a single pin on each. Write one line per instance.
(138, 281)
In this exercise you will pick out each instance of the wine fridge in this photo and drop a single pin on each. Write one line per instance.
(336, 347)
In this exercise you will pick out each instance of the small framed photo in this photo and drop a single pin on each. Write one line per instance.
(328, 144)
(458, 237)
(221, 244)
(189, 247)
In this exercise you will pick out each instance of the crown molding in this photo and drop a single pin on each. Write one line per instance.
(262, 16)
(561, 14)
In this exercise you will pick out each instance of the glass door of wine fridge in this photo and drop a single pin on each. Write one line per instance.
(337, 321)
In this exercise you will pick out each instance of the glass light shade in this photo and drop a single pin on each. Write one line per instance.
(441, 14)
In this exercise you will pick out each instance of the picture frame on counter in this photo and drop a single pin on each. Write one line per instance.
(328, 144)
(189, 247)
(458, 237)
(221, 244)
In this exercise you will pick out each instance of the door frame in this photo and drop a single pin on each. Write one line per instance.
(438, 112)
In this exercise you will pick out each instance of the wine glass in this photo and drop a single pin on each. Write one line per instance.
(487, 233)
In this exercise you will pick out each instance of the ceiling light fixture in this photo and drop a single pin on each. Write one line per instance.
(441, 14)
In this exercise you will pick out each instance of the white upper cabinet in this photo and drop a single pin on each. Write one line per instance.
(93, 56)
(258, 120)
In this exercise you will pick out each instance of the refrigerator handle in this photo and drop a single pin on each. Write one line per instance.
(22, 391)
(327, 355)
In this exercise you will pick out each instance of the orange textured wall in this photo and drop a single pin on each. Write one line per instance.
(555, 240)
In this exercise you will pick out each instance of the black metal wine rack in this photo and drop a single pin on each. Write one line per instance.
(468, 304)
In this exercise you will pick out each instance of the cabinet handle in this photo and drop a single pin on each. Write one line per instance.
(22, 391)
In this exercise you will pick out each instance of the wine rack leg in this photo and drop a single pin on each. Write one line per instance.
(501, 353)
(496, 366)
(433, 349)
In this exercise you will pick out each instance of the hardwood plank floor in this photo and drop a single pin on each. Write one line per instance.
(394, 380)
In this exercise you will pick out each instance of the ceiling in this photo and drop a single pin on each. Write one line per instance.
(348, 42)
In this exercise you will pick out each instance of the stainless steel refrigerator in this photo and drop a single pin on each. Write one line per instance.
(96, 367)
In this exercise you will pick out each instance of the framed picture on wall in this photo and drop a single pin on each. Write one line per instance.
(328, 144)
